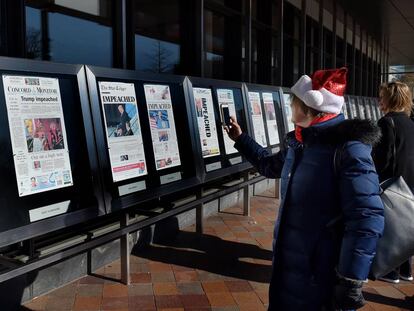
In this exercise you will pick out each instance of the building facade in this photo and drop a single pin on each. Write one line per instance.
(259, 41)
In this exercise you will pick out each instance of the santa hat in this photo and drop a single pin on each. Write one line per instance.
(324, 92)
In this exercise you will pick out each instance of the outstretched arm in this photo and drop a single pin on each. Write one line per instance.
(267, 164)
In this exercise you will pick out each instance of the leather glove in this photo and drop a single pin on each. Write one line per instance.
(348, 294)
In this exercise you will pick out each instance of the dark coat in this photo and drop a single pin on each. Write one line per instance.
(383, 152)
(306, 250)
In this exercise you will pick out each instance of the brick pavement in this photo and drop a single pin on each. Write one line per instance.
(226, 269)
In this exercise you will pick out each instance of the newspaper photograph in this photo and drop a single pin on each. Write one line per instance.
(257, 119)
(163, 133)
(123, 130)
(225, 96)
(207, 128)
(287, 98)
(38, 134)
(271, 122)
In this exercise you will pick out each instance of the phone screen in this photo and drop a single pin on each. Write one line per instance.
(226, 115)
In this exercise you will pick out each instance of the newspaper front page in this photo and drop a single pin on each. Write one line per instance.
(257, 118)
(207, 128)
(38, 133)
(226, 96)
(271, 121)
(161, 118)
(123, 130)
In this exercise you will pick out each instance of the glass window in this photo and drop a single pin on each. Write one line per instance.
(157, 35)
(70, 31)
(214, 45)
(291, 44)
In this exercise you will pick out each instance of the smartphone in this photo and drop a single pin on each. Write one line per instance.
(225, 115)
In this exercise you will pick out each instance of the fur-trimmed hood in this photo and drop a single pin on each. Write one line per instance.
(338, 131)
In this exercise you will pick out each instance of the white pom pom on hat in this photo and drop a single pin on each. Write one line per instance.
(324, 91)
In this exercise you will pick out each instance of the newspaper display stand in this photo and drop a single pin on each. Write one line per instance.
(271, 108)
(353, 107)
(215, 149)
(375, 108)
(345, 109)
(144, 133)
(361, 108)
(371, 104)
(367, 108)
(49, 166)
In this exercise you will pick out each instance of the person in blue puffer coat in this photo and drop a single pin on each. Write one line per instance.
(331, 215)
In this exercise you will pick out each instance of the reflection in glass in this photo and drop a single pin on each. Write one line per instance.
(69, 31)
(157, 36)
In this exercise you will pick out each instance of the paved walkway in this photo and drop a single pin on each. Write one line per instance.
(226, 269)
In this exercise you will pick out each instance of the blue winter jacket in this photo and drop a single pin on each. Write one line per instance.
(309, 245)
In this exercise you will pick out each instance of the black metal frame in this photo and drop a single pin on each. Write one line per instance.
(224, 159)
(30, 67)
(113, 201)
(16, 269)
(250, 87)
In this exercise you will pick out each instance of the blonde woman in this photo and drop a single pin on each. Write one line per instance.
(395, 101)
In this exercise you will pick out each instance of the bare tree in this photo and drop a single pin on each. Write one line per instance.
(161, 58)
(33, 43)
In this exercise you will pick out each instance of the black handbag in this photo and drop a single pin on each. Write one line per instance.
(397, 242)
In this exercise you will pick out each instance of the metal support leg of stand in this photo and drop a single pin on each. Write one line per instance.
(246, 199)
(277, 188)
(125, 252)
(199, 216)
(89, 262)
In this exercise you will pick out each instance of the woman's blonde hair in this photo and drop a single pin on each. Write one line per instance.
(398, 96)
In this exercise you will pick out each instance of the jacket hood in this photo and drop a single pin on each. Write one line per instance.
(339, 131)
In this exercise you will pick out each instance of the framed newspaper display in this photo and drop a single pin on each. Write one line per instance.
(144, 133)
(50, 177)
(210, 100)
(270, 103)
(353, 105)
(375, 108)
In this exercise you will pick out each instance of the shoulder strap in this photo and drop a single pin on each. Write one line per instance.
(394, 148)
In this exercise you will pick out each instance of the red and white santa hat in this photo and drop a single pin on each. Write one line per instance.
(324, 91)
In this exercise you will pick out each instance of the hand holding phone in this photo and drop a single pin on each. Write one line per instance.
(225, 115)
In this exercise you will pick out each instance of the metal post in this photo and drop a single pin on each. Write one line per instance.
(125, 251)
(387, 62)
(334, 34)
(302, 63)
(360, 61)
(248, 46)
(246, 197)
(280, 42)
(321, 64)
(345, 35)
(353, 83)
(372, 69)
(199, 214)
(367, 66)
(200, 55)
